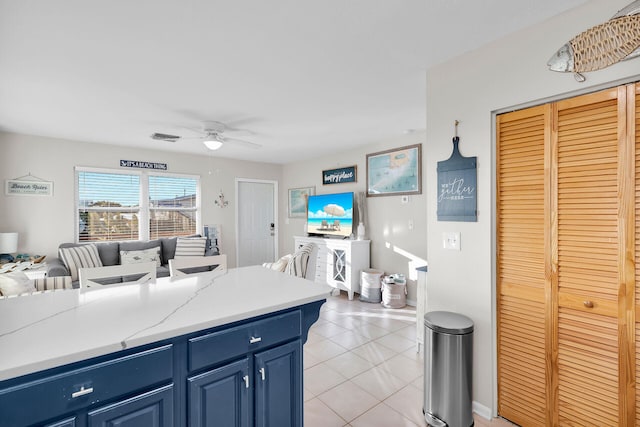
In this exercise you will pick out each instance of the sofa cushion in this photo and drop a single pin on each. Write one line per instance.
(109, 253)
(85, 255)
(136, 245)
(190, 246)
(168, 249)
(143, 255)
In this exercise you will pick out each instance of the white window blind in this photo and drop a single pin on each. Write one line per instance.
(135, 206)
(172, 206)
(109, 206)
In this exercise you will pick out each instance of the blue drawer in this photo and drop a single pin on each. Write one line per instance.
(216, 347)
(50, 396)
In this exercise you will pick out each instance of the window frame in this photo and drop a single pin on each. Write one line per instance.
(144, 231)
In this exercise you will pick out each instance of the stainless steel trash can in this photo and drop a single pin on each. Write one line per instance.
(448, 369)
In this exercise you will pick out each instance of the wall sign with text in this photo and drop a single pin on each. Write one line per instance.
(457, 187)
(142, 165)
(339, 176)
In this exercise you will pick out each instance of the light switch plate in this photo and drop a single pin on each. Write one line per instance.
(451, 240)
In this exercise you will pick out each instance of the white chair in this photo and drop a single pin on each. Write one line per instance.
(197, 264)
(130, 274)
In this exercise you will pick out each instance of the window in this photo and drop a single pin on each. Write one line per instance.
(115, 205)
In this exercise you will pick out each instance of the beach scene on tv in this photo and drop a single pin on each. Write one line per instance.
(330, 214)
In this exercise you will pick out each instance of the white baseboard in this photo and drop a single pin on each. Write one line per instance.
(411, 302)
(481, 410)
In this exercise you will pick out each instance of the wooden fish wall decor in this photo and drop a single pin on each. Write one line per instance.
(598, 47)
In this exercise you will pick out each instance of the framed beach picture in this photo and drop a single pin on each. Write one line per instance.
(298, 201)
(395, 172)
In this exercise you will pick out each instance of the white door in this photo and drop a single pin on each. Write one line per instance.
(256, 221)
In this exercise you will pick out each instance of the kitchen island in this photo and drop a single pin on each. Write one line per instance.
(179, 351)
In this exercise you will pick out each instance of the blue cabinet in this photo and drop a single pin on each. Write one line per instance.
(278, 391)
(248, 373)
(151, 409)
(220, 397)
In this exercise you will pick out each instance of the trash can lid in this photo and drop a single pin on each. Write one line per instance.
(448, 322)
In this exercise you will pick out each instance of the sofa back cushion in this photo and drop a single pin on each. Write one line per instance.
(109, 253)
(190, 246)
(79, 256)
(168, 249)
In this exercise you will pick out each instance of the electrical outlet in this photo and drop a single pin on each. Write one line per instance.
(451, 240)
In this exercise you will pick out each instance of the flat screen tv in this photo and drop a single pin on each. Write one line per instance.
(330, 214)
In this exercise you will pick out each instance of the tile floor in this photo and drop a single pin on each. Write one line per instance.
(361, 368)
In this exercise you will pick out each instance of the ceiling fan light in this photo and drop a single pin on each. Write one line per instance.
(212, 144)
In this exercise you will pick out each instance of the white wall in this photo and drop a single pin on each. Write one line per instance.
(394, 247)
(45, 222)
(507, 73)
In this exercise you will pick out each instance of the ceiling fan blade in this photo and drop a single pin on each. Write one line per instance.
(164, 137)
(241, 143)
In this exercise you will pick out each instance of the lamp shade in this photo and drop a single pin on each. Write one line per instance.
(8, 243)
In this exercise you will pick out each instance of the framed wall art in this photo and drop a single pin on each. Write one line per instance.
(395, 172)
(298, 201)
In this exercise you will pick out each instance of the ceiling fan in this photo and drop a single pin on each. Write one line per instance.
(211, 137)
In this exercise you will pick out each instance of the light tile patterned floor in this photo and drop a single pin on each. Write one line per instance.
(361, 368)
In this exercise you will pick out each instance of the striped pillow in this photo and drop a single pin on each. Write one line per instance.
(297, 265)
(78, 257)
(53, 283)
(190, 246)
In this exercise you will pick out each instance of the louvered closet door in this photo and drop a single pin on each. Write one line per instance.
(588, 269)
(635, 132)
(521, 266)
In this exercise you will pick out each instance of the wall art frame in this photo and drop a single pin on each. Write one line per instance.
(393, 172)
(298, 201)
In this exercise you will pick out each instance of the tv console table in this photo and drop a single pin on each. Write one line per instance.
(339, 262)
(203, 349)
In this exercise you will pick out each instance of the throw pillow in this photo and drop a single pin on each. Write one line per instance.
(297, 265)
(280, 264)
(78, 257)
(144, 255)
(15, 283)
(190, 246)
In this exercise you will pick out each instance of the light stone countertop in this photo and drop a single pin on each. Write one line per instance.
(52, 329)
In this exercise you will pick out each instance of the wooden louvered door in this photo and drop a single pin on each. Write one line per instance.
(591, 201)
(582, 370)
(521, 265)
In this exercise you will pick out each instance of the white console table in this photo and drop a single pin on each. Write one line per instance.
(339, 262)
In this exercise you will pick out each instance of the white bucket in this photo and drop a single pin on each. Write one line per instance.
(394, 295)
(370, 281)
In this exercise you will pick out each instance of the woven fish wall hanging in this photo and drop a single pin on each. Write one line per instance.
(606, 44)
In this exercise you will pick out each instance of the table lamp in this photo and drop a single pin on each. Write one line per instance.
(8, 245)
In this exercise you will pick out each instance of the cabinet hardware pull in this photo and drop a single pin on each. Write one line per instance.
(588, 304)
(246, 381)
(254, 340)
(82, 392)
(262, 373)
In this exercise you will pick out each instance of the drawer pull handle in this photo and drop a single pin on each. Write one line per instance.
(262, 375)
(254, 340)
(588, 304)
(246, 381)
(82, 392)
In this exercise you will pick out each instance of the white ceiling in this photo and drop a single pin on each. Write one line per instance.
(304, 78)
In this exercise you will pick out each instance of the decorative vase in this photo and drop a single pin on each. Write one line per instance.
(361, 231)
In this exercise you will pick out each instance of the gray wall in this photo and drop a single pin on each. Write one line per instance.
(45, 222)
(394, 247)
(507, 73)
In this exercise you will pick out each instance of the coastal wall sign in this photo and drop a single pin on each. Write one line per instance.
(28, 185)
(339, 176)
(142, 165)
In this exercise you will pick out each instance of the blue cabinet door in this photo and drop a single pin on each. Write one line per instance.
(220, 397)
(278, 398)
(69, 422)
(152, 409)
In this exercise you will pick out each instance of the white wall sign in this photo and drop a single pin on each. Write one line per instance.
(28, 188)
(142, 165)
